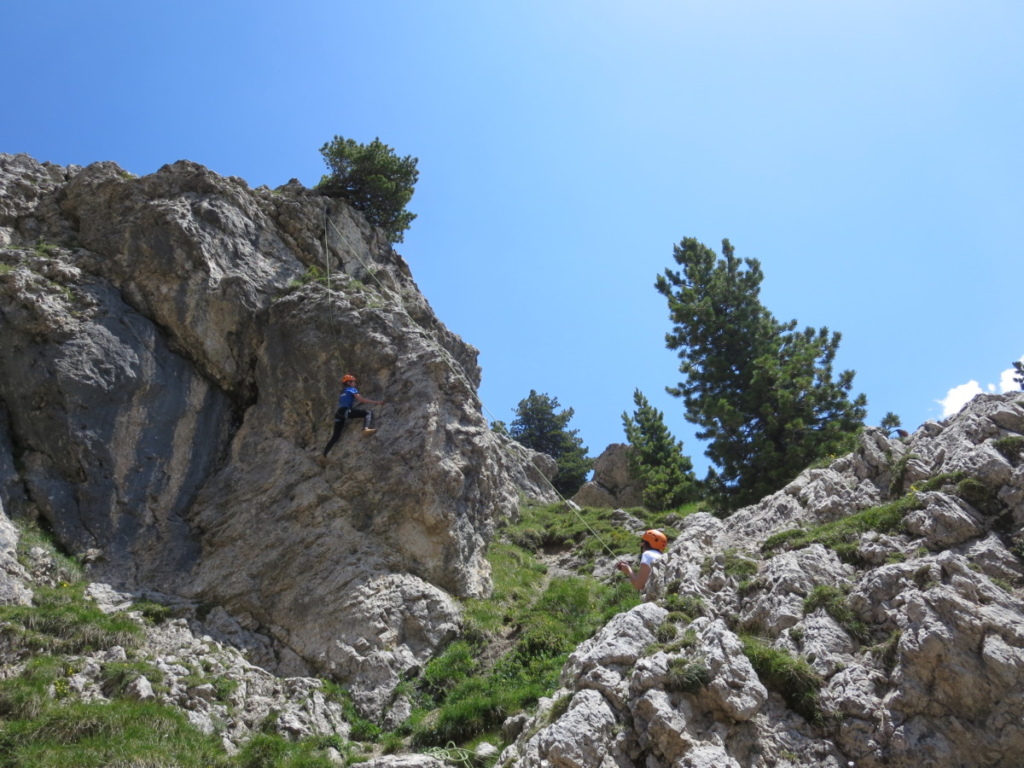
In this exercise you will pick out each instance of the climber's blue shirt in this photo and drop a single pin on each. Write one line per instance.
(348, 398)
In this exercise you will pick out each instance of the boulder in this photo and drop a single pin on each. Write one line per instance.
(611, 484)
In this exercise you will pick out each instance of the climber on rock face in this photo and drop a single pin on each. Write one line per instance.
(347, 401)
(652, 546)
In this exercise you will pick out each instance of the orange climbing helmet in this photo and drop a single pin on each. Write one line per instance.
(656, 539)
(348, 378)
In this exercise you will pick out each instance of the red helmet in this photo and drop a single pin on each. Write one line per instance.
(656, 539)
(348, 378)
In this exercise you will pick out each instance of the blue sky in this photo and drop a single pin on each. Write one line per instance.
(868, 153)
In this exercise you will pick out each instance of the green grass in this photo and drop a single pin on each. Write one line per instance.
(591, 532)
(31, 536)
(470, 701)
(266, 750)
(444, 672)
(61, 620)
(526, 631)
(687, 676)
(842, 535)
(116, 676)
(833, 601)
(789, 676)
(888, 650)
(969, 489)
(87, 734)
(1011, 447)
(312, 275)
(682, 607)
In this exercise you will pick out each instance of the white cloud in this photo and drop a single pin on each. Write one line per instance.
(1006, 382)
(958, 397)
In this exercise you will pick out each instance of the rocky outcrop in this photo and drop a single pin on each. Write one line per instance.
(904, 638)
(170, 348)
(612, 484)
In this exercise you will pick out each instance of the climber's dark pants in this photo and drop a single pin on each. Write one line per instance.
(341, 417)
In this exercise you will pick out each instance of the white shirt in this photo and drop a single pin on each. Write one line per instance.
(650, 557)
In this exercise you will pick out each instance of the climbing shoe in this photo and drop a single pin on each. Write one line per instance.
(367, 432)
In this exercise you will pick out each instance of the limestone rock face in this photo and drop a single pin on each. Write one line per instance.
(170, 355)
(913, 635)
(13, 589)
(611, 485)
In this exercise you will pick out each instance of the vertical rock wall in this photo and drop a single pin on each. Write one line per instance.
(169, 365)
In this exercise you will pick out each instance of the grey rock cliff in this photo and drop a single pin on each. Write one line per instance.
(169, 365)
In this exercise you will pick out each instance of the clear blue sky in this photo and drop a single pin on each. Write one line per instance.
(868, 153)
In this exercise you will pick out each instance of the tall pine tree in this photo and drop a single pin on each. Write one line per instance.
(762, 392)
(656, 458)
(538, 427)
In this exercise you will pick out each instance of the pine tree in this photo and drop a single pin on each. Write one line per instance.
(539, 428)
(373, 180)
(656, 458)
(1018, 367)
(762, 392)
(891, 424)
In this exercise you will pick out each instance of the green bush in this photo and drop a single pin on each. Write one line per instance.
(666, 632)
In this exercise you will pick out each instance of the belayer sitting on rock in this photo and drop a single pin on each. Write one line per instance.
(347, 402)
(652, 546)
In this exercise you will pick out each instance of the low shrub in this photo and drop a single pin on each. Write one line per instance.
(789, 676)
(685, 607)
(1011, 447)
(687, 676)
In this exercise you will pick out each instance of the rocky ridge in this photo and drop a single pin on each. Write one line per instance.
(917, 660)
